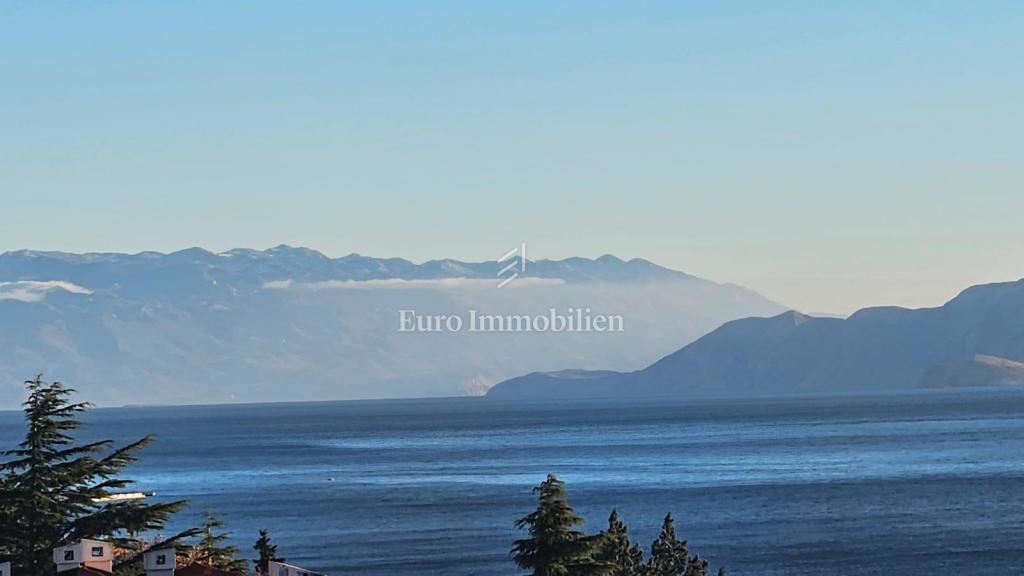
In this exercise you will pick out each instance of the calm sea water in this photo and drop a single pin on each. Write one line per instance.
(911, 484)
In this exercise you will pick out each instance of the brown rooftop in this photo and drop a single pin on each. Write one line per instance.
(202, 570)
(85, 571)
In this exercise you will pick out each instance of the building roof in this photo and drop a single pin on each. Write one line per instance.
(298, 569)
(202, 570)
(85, 571)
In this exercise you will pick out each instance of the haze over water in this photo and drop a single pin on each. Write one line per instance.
(907, 484)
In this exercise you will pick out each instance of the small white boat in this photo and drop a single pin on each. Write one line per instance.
(123, 496)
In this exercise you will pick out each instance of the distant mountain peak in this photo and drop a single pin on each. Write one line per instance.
(974, 339)
(250, 252)
(794, 317)
(194, 251)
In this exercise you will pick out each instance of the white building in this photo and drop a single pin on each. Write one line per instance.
(159, 561)
(84, 554)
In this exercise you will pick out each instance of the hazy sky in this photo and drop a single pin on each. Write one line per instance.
(830, 155)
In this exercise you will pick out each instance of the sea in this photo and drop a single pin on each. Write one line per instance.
(919, 483)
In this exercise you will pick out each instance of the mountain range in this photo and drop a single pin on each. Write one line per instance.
(975, 339)
(294, 324)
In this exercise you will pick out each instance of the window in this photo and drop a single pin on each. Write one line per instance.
(97, 552)
(161, 559)
(69, 555)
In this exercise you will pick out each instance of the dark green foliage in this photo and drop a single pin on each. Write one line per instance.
(696, 566)
(555, 547)
(267, 553)
(51, 488)
(668, 552)
(615, 549)
(669, 555)
(213, 551)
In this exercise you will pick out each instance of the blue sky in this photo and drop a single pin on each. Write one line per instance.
(831, 155)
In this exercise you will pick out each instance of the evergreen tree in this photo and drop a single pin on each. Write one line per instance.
(212, 549)
(624, 559)
(555, 547)
(53, 490)
(696, 566)
(668, 552)
(267, 553)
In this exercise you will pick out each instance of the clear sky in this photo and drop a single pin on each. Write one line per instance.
(830, 155)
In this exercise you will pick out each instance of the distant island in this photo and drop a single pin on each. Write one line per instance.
(975, 339)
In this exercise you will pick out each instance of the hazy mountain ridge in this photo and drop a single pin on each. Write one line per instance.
(194, 326)
(254, 267)
(975, 339)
